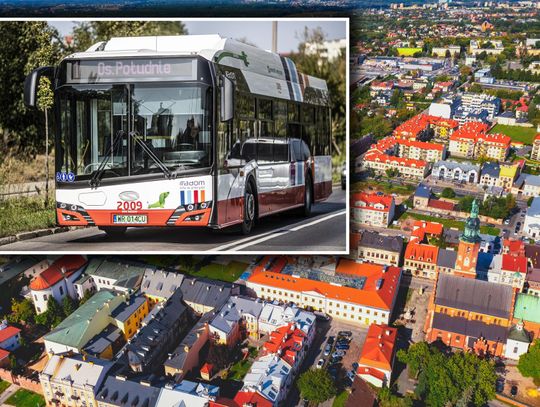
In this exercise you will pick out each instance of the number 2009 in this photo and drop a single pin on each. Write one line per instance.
(129, 206)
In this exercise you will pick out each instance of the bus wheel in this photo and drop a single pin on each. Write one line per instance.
(308, 196)
(250, 204)
(114, 231)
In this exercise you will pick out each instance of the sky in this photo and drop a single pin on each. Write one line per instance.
(256, 32)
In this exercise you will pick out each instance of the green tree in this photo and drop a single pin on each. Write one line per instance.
(69, 305)
(53, 315)
(45, 99)
(87, 33)
(448, 193)
(219, 356)
(529, 363)
(387, 398)
(22, 311)
(316, 385)
(25, 46)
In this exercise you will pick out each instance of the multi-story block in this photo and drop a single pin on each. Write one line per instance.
(373, 209)
(380, 249)
(493, 146)
(531, 226)
(489, 176)
(406, 167)
(535, 152)
(421, 260)
(363, 293)
(204, 295)
(129, 315)
(508, 269)
(456, 171)
(73, 380)
(527, 185)
(118, 391)
(420, 150)
(159, 285)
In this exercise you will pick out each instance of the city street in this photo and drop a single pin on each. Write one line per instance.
(323, 231)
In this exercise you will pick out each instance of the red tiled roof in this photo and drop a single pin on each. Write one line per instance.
(537, 137)
(286, 341)
(422, 252)
(406, 162)
(378, 350)
(432, 228)
(3, 354)
(8, 332)
(514, 263)
(251, 398)
(372, 201)
(515, 247)
(438, 204)
(54, 274)
(497, 139)
(207, 368)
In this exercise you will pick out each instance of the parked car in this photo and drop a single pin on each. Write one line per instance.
(331, 340)
(320, 363)
(345, 333)
(321, 316)
(499, 385)
(355, 366)
(327, 349)
(507, 221)
(338, 353)
(351, 374)
(342, 346)
(514, 391)
(335, 360)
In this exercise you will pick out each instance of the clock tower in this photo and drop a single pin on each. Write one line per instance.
(469, 245)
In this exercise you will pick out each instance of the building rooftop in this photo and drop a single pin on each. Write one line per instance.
(16, 266)
(73, 331)
(159, 283)
(267, 375)
(376, 241)
(206, 292)
(527, 308)
(372, 201)
(81, 371)
(126, 274)
(451, 165)
(517, 264)
(7, 332)
(127, 308)
(532, 252)
(233, 310)
(472, 328)
(423, 191)
(474, 295)
(65, 266)
(447, 258)
(491, 169)
(119, 391)
(534, 209)
(378, 349)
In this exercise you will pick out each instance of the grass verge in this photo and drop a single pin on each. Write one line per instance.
(239, 370)
(4, 385)
(25, 214)
(341, 399)
(25, 398)
(225, 272)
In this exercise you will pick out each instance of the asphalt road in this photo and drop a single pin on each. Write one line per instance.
(323, 232)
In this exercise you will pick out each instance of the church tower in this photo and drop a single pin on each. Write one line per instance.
(469, 245)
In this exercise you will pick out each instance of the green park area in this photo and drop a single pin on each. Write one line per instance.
(25, 398)
(226, 272)
(452, 223)
(516, 133)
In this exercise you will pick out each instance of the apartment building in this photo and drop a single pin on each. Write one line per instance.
(373, 209)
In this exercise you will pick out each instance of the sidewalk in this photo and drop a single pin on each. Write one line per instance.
(7, 393)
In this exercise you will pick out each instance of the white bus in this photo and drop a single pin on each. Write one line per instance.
(194, 130)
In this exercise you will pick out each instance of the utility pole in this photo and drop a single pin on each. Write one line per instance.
(274, 36)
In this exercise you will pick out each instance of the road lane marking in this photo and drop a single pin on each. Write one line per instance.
(250, 241)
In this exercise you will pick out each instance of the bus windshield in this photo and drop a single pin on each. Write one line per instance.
(118, 125)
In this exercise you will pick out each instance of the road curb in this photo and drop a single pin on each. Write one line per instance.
(35, 233)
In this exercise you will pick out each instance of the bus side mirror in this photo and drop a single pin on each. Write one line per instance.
(31, 84)
(227, 99)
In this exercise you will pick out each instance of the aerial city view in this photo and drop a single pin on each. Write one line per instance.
(437, 303)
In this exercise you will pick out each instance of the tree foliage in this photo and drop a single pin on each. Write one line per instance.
(22, 311)
(529, 363)
(496, 207)
(25, 46)
(448, 193)
(449, 379)
(316, 385)
(219, 356)
(54, 314)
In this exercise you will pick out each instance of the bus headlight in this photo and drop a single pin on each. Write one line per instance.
(190, 207)
(73, 208)
(203, 205)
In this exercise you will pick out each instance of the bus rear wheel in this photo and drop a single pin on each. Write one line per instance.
(114, 231)
(308, 197)
(250, 204)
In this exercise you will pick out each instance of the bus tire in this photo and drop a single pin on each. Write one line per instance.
(308, 196)
(114, 231)
(250, 208)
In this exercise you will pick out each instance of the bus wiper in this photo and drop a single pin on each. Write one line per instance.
(135, 136)
(96, 178)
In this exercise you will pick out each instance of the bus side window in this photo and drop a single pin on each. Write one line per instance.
(305, 152)
(296, 150)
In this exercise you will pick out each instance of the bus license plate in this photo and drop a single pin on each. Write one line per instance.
(130, 219)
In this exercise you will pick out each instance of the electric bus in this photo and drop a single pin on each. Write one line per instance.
(194, 130)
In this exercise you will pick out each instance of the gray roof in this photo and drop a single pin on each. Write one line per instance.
(530, 179)
(127, 274)
(474, 328)
(534, 209)
(474, 295)
(119, 391)
(156, 330)
(519, 334)
(491, 169)
(422, 191)
(126, 309)
(108, 337)
(376, 241)
(231, 312)
(16, 266)
(79, 370)
(452, 165)
(159, 283)
(447, 258)
(206, 292)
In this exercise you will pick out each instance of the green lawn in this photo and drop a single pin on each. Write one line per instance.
(25, 398)
(384, 186)
(341, 399)
(516, 133)
(4, 385)
(451, 223)
(240, 368)
(230, 272)
(25, 214)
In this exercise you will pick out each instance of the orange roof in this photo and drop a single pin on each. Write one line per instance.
(422, 252)
(63, 267)
(500, 140)
(287, 341)
(442, 122)
(207, 368)
(251, 398)
(514, 263)
(438, 204)
(432, 228)
(515, 247)
(369, 295)
(537, 137)
(8, 332)
(378, 350)
(412, 127)
(3, 354)
(374, 202)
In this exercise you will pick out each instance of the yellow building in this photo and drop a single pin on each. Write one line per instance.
(408, 51)
(128, 315)
(508, 173)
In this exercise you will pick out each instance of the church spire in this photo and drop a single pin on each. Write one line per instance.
(471, 233)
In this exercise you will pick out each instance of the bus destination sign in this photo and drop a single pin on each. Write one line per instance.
(112, 70)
